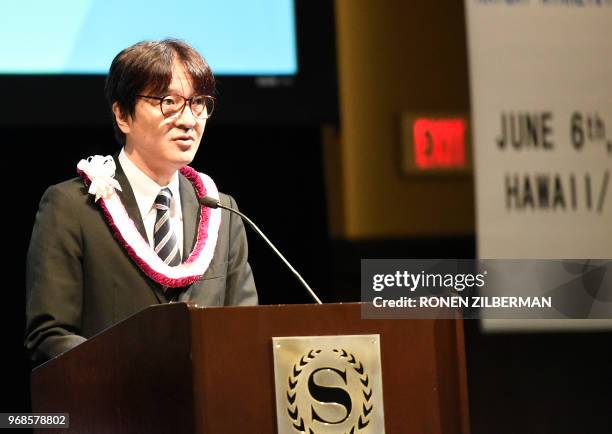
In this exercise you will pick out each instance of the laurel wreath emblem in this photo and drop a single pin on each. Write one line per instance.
(293, 380)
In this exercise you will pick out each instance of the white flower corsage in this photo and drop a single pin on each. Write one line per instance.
(101, 171)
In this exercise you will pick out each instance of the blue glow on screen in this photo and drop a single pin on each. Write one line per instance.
(237, 37)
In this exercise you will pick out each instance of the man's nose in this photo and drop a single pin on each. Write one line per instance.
(186, 118)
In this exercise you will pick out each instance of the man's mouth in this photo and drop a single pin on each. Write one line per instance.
(184, 138)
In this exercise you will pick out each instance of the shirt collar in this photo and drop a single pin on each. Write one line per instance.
(145, 189)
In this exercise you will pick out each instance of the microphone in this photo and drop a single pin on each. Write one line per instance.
(213, 203)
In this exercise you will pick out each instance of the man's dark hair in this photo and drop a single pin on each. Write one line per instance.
(147, 67)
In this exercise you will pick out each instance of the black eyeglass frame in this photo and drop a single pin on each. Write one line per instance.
(185, 101)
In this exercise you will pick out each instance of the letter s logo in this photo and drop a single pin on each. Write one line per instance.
(326, 395)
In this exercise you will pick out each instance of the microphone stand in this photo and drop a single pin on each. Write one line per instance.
(214, 203)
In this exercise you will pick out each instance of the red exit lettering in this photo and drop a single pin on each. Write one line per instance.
(439, 143)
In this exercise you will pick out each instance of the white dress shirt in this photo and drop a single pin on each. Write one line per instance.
(146, 191)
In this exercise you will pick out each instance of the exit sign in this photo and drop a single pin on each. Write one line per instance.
(435, 144)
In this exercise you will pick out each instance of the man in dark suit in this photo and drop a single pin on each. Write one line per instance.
(88, 265)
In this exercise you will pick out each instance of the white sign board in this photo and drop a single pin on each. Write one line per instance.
(541, 83)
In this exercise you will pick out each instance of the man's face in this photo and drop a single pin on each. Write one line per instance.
(157, 145)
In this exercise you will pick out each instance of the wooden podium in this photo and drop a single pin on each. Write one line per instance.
(178, 368)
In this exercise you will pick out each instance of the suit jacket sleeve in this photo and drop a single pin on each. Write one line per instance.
(240, 288)
(54, 288)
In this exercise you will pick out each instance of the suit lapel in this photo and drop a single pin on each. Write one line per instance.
(129, 200)
(191, 212)
(131, 206)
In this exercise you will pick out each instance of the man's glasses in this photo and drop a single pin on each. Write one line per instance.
(202, 106)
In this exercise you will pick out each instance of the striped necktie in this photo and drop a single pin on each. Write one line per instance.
(166, 245)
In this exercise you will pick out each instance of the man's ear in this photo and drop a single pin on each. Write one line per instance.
(123, 120)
